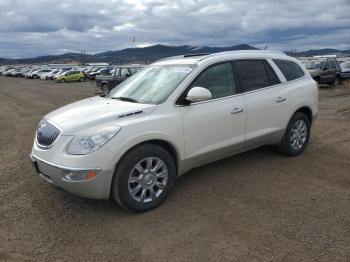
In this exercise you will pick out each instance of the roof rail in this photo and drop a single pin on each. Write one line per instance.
(170, 57)
(183, 56)
(244, 51)
(198, 54)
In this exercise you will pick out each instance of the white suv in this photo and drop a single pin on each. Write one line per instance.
(174, 115)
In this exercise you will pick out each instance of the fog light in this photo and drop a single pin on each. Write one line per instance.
(83, 175)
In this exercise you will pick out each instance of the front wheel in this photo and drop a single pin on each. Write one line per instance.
(143, 178)
(81, 79)
(104, 89)
(297, 135)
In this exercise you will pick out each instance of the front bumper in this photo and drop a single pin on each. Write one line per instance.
(95, 188)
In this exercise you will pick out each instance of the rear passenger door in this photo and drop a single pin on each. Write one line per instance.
(333, 69)
(326, 75)
(267, 102)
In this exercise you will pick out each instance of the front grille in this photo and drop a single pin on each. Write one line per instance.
(46, 134)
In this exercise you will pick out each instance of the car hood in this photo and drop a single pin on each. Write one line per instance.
(94, 111)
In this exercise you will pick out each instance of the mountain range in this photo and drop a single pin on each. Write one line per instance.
(147, 54)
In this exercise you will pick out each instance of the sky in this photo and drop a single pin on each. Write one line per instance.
(31, 28)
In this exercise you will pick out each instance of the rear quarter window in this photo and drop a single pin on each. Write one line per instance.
(290, 70)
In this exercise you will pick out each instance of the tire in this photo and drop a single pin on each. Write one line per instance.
(62, 81)
(104, 89)
(133, 189)
(297, 126)
(35, 77)
(336, 82)
(81, 79)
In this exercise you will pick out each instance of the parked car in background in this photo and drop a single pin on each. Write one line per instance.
(25, 71)
(60, 72)
(92, 75)
(345, 70)
(44, 75)
(71, 76)
(8, 72)
(34, 74)
(325, 71)
(16, 72)
(106, 83)
(50, 75)
(172, 116)
(29, 72)
(39, 74)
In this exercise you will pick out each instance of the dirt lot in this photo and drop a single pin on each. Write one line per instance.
(257, 206)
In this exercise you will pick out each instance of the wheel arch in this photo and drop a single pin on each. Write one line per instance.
(160, 142)
(307, 111)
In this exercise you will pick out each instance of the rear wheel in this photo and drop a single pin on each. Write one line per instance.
(81, 79)
(143, 178)
(297, 135)
(336, 81)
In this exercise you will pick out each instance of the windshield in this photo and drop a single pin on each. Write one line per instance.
(313, 65)
(152, 85)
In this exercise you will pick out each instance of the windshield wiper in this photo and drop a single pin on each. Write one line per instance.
(127, 99)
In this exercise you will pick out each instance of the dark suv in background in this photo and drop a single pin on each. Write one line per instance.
(106, 83)
(324, 71)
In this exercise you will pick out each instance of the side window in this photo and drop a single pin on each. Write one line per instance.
(252, 74)
(325, 65)
(124, 72)
(289, 69)
(218, 79)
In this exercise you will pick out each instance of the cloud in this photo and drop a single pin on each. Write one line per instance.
(31, 28)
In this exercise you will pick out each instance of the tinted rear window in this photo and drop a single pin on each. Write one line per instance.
(252, 74)
(289, 69)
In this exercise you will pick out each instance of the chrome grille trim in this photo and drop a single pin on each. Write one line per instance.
(46, 134)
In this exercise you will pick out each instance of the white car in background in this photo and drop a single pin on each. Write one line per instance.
(44, 75)
(174, 115)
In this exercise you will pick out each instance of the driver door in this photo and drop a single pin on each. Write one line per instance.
(214, 128)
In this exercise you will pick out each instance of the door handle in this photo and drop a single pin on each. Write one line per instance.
(281, 99)
(237, 110)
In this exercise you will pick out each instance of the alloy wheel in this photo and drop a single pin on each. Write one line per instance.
(298, 134)
(147, 179)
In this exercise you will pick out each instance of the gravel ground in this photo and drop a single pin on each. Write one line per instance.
(257, 206)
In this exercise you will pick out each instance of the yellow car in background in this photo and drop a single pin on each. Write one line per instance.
(71, 76)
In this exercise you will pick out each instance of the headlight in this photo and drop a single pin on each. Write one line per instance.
(87, 143)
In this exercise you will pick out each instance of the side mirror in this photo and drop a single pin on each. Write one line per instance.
(198, 94)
